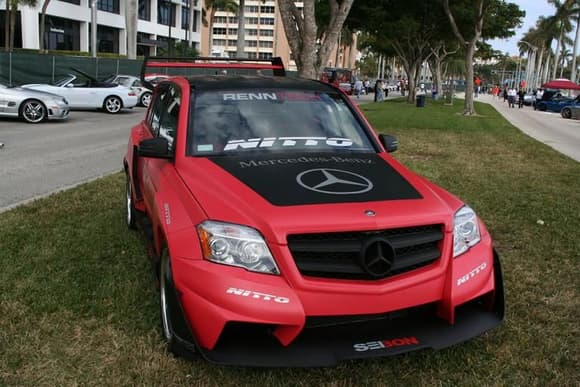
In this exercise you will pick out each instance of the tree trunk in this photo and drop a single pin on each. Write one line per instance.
(131, 28)
(13, 15)
(469, 109)
(575, 50)
(557, 53)
(546, 68)
(241, 30)
(301, 31)
(41, 47)
(7, 27)
(190, 24)
(536, 80)
(210, 33)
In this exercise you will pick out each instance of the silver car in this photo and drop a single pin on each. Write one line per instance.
(134, 83)
(30, 105)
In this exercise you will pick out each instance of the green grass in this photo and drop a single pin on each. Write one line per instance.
(78, 304)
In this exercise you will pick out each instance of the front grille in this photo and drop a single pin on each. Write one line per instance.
(339, 255)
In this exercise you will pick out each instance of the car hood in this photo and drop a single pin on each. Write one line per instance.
(38, 93)
(306, 193)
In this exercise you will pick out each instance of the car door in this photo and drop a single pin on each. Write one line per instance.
(162, 122)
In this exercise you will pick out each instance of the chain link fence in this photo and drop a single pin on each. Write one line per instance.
(21, 68)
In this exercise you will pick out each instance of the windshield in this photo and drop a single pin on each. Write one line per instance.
(230, 122)
(63, 81)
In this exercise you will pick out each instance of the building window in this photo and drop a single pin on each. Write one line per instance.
(252, 32)
(185, 17)
(145, 10)
(266, 44)
(251, 43)
(219, 31)
(251, 20)
(232, 42)
(108, 6)
(251, 55)
(77, 2)
(163, 13)
(233, 19)
(266, 9)
(61, 34)
(266, 32)
(219, 42)
(108, 39)
(267, 21)
(220, 19)
(265, 55)
(252, 8)
(233, 31)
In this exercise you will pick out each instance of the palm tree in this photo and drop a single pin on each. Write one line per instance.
(575, 14)
(562, 21)
(211, 7)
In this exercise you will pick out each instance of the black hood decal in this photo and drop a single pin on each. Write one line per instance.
(318, 178)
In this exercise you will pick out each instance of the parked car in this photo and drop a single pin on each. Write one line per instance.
(566, 111)
(284, 233)
(134, 83)
(85, 92)
(32, 106)
(529, 99)
(555, 102)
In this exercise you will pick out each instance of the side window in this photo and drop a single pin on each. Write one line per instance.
(170, 114)
(157, 108)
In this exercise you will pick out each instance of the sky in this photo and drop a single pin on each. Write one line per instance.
(534, 9)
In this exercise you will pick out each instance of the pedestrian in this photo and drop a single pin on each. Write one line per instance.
(521, 95)
(358, 87)
(511, 95)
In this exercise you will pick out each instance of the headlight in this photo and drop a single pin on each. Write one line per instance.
(236, 245)
(465, 230)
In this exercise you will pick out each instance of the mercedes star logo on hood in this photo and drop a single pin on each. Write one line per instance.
(334, 181)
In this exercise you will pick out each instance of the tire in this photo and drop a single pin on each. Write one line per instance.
(165, 291)
(131, 212)
(566, 113)
(112, 104)
(145, 99)
(33, 111)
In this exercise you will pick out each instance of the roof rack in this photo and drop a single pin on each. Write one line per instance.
(169, 66)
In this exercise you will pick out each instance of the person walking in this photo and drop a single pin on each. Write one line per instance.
(511, 95)
(521, 95)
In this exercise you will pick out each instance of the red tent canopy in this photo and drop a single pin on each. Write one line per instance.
(565, 84)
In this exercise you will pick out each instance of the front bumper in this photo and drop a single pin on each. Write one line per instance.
(328, 340)
(57, 112)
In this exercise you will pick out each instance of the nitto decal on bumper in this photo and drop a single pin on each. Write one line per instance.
(385, 344)
(257, 295)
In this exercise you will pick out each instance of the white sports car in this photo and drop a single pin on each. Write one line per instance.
(85, 92)
(134, 83)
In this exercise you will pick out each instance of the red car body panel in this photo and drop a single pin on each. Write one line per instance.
(178, 194)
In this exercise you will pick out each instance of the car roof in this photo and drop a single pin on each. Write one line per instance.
(225, 82)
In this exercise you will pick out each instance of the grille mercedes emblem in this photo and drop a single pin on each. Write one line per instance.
(334, 181)
(376, 257)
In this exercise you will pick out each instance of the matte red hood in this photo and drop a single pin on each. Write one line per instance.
(282, 195)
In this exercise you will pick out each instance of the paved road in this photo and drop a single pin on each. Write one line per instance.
(44, 158)
(550, 128)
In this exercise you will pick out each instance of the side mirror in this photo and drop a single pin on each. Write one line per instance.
(157, 147)
(390, 143)
(70, 85)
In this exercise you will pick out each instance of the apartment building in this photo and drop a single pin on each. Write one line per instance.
(68, 25)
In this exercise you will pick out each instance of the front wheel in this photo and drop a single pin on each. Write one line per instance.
(131, 221)
(566, 113)
(112, 104)
(145, 99)
(167, 297)
(33, 111)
